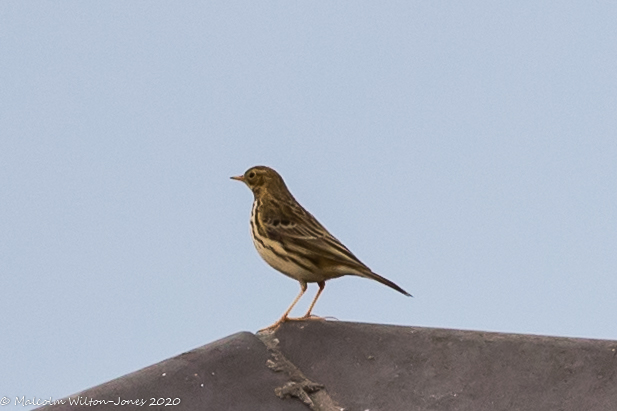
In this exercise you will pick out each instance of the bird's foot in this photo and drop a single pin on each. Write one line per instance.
(272, 327)
(277, 324)
(305, 317)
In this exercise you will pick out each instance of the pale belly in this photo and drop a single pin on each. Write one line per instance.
(277, 258)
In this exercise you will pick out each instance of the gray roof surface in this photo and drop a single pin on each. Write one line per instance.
(331, 365)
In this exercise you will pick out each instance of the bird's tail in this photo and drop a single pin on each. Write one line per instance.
(385, 281)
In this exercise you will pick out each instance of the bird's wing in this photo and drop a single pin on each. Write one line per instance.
(304, 238)
(300, 232)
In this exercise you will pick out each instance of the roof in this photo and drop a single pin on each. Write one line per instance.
(331, 365)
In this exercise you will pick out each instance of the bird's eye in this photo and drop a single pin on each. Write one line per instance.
(251, 174)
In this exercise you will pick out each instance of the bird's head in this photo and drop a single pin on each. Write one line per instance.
(260, 178)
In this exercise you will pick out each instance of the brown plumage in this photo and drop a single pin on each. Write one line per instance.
(293, 242)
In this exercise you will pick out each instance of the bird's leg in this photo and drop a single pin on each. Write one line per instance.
(284, 317)
(307, 316)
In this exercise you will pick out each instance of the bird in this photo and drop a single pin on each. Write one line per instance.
(293, 242)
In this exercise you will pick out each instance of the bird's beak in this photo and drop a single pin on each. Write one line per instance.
(239, 178)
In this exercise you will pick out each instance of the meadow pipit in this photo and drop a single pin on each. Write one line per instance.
(293, 242)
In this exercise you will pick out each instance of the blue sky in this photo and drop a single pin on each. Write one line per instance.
(466, 151)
